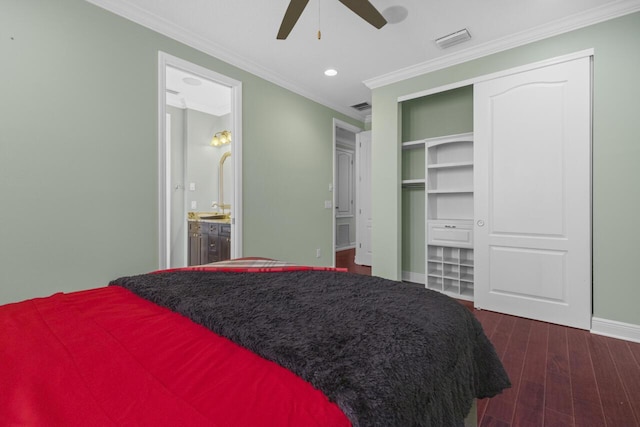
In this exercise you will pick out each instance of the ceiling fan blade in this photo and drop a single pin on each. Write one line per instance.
(294, 10)
(366, 11)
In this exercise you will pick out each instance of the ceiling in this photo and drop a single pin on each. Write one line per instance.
(186, 90)
(243, 33)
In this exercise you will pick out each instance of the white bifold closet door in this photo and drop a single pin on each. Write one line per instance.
(532, 200)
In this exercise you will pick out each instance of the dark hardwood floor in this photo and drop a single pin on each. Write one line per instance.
(345, 259)
(560, 376)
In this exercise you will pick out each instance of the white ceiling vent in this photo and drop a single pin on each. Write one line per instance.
(363, 106)
(453, 38)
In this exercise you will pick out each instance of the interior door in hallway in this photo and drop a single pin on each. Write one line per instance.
(532, 178)
(364, 222)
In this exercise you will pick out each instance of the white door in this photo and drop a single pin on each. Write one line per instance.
(344, 182)
(363, 198)
(532, 163)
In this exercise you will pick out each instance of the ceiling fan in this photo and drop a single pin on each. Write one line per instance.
(362, 8)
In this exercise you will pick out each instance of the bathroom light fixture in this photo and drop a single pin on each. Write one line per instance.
(221, 138)
(330, 72)
(453, 38)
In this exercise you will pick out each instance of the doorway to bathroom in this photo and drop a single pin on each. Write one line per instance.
(199, 164)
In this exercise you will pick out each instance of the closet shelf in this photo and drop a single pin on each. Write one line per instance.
(413, 144)
(449, 195)
(420, 182)
(450, 165)
(450, 191)
(466, 278)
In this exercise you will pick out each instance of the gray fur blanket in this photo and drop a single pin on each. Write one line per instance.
(387, 353)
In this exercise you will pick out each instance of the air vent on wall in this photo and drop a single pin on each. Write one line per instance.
(363, 106)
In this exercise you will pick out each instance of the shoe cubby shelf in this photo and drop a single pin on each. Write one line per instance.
(450, 270)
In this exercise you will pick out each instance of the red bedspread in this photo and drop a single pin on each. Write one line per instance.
(107, 357)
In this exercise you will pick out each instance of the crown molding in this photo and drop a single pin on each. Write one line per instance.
(574, 22)
(182, 35)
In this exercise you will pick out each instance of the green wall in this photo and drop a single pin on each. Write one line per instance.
(78, 152)
(616, 150)
(444, 113)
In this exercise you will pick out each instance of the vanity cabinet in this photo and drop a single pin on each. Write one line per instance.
(208, 242)
(197, 245)
(224, 242)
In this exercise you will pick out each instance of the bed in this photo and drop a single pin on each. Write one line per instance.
(244, 343)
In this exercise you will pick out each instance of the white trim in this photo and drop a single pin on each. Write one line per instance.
(522, 68)
(337, 123)
(164, 60)
(410, 276)
(593, 16)
(460, 137)
(615, 329)
(237, 212)
(351, 245)
(139, 16)
(163, 218)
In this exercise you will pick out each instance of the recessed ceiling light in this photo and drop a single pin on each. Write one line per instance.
(192, 81)
(330, 72)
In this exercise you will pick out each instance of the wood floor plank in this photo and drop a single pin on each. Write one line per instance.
(499, 412)
(635, 350)
(529, 409)
(629, 369)
(615, 404)
(481, 404)
(492, 422)
(558, 396)
(489, 321)
(575, 376)
(536, 357)
(629, 372)
(499, 408)
(557, 419)
(502, 407)
(502, 333)
(584, 388)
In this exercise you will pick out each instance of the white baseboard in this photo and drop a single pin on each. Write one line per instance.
(409, 276)
(615, 329)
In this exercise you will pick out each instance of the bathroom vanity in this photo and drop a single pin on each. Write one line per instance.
(209, 241)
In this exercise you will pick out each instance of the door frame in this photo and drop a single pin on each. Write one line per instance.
(164, 245)
(337, 123)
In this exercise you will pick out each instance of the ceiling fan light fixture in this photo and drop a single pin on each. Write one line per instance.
(330, 72)
(459, 36)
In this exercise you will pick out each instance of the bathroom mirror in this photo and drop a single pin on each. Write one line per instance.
(225, 184)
